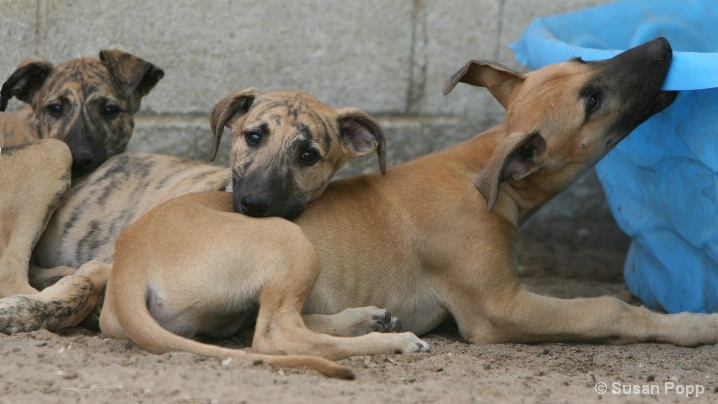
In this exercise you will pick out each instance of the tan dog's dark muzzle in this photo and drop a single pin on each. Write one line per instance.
(638, 73)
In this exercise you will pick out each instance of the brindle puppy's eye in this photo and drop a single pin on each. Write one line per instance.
(253, 137)
(55, 109)
(592, 102)
(110, 111)
(309, 157)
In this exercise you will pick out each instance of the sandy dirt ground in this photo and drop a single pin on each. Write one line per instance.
(82, 366)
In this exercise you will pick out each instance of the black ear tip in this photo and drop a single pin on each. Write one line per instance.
(158, 73)
(4, 97)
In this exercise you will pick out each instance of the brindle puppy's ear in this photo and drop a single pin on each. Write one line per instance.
(516, 157)
(361, 134)
(227, 111)
(499, 80)
(131, 76)
(24, 83)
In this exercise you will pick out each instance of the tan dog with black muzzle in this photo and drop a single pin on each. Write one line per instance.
(286, 149)
(88, 103)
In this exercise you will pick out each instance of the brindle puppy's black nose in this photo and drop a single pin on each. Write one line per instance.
(253, 205)
(82, 163)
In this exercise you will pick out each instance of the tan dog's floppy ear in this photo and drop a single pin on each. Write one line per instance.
(497, 79)
(227, 111)
(132, 76)
(361, 134)
(25, 81)
(516, 157)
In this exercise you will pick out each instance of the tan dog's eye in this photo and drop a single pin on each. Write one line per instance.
(309, 157)
(253, 137)
(593, 101)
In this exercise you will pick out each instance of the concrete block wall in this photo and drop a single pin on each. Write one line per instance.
(388, 57)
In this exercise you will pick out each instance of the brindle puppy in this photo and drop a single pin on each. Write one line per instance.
(89, 103)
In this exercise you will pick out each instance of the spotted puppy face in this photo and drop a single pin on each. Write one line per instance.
(89, 103)
(287, 146)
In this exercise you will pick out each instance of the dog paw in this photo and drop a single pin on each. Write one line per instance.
(412, 344)
(353, 322)
(382, 321)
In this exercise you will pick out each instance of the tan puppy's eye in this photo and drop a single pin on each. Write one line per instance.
(309, 157)
(593, 101)
(253, 137)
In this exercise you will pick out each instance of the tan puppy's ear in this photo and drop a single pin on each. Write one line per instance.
(499, 80)
(24, 83)
(516, 157)
(227, 111)
(361, 134)
(131, 76)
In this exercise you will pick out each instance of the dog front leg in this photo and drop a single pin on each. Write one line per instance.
(59, 306)
(353, 322)
(528, 317)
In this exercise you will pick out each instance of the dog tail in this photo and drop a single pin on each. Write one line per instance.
(139, 326)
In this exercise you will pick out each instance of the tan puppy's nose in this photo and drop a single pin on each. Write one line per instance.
(254, 205)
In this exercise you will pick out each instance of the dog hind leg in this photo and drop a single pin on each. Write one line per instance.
(38, 182)
(528, 317)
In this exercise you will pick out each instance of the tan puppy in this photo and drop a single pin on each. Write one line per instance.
(159, 293)
(89, 103)
(288, 149)
(447, 244)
